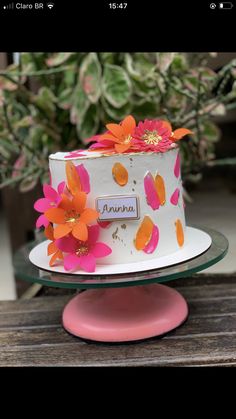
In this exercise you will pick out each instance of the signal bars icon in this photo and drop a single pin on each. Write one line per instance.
(50, 5)
(9, 6)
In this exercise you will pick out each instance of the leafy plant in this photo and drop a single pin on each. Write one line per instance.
(51, 102)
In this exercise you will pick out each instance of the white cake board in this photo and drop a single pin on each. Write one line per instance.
(196, 243)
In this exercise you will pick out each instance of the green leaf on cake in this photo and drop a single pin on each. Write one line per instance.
(90, 77)
(116, 85)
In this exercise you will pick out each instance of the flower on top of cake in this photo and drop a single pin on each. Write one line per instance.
(154, 135)
(119, 137)
(70, 225)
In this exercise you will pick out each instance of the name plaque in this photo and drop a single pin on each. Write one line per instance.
(118, 207)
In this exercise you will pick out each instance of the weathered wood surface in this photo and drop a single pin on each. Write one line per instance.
(31, 333)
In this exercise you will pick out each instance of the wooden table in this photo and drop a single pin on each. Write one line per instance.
(31, 333)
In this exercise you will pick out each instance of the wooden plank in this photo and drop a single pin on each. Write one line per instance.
(36, 304)
(206, 291)
(51, 314)
(156, 352)
(40, 334)
(190, 291)
(203, 279)
(212, 307)
(33, 318)
(31, 333)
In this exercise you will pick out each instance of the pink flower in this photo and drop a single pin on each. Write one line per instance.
(75, 153)
(153, 135)
(51, 199)
(99, 144)
(91, 139)
(83, 254)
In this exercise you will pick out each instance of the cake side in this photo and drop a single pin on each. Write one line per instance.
(138, 173)
(118, 202)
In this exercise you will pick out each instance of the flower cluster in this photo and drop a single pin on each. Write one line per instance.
(150, 135)
(67, 221)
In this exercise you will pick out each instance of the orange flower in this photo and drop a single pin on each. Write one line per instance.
(120, 134)
(177, 134)
(72, 217)
(52, 248)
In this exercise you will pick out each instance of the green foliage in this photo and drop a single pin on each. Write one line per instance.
(54, 101)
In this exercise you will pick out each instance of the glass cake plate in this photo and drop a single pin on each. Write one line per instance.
(196, 242)
(123, 307)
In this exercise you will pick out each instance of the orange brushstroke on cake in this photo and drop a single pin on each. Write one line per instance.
(144, 233)
(179, 232)
(73, 180)
(120, 174)
(160, 188)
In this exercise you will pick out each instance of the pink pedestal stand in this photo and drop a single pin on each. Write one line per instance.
(125, 314)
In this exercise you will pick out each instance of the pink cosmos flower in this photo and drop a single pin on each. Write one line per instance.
(153, 135)
(99, 144)
(94, 138)
(83, 254)
(51, 199)
(75, 153)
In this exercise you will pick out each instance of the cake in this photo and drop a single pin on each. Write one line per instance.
(120, 201)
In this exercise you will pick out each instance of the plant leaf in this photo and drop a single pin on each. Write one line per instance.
(116, 85)
(90, 77)
(58, 58)
(80, 105)
(89, 124)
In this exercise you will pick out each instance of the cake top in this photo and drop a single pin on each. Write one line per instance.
(155, 136)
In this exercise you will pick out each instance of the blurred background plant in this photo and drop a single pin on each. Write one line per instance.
(54, 101)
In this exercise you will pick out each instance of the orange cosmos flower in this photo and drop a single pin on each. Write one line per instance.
(177, 134)
(120, 135)
(52, 248)
(72, 217)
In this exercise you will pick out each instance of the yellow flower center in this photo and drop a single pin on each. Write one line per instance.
(127, 139)
(71, 216)
(151, 137)
(82, 250)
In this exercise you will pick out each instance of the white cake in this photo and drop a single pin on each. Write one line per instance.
(122, 186)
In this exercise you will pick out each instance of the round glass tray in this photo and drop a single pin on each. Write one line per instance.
(28, 272)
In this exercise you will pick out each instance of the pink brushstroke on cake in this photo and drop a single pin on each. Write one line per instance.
(152, 245)
(84, 178)
(75, 153)
(175, 197)
(177, 166)
(150, 191)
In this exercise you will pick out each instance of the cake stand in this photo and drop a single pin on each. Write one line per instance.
(123, 307)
